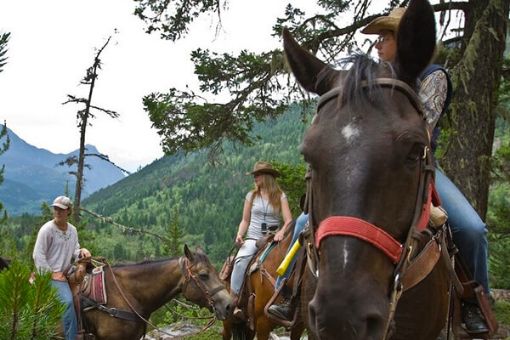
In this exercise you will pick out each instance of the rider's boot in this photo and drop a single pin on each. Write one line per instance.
(238, 312)
(282, 310)
(473, 319)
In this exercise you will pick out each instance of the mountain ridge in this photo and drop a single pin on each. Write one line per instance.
(32, 175)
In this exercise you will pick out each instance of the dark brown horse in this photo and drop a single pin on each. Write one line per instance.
(370, 169)
(148, 286)
(256, 294)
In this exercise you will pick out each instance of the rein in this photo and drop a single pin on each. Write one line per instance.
(398, 253)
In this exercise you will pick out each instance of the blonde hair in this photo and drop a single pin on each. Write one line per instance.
(272, 188)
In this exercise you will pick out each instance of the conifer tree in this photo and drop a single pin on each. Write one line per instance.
(27, 310)
(174, 234)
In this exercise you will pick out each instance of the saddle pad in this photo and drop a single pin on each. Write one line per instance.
(93, 286)
(266, 251)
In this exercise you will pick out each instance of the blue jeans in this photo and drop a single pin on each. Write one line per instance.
(66, 297)
(298, 228)
(468, 229)
(243, 257)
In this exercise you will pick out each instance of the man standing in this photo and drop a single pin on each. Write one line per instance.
(56, 246)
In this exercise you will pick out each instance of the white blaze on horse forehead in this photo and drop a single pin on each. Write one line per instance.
(350, 132)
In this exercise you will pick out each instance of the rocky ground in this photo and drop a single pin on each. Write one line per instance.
(185, 330)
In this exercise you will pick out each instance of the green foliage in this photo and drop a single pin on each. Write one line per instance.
(3, 147)
(502, 310)
(174, 234)
(292, 181)
(27, 311)
(498, 261)
(186, 122)
(173, 21)
(4, 38)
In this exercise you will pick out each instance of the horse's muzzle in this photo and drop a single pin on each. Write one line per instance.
(347, 317)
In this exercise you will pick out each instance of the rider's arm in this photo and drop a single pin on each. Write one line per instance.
(287, 218)
(433, 92)
(245, 222)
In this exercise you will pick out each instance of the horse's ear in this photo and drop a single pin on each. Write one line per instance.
(188, 253)
(199, 250)
(416, 40)
(306, 67)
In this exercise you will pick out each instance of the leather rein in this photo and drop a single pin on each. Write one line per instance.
(407, 272)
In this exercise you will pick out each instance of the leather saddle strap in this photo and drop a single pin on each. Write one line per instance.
(425, 261)
(422, 264)
(117, 313)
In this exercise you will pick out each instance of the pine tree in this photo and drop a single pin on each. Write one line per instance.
(174, 234)
(27, 310)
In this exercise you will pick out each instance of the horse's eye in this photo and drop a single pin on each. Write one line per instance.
(416, 153)
(203, 276)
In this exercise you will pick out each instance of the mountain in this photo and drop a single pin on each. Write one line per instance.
(32, 175)
(206, 199)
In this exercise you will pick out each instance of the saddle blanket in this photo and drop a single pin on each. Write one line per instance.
(93, 286)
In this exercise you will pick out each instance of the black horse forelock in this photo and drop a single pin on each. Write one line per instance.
(364, 70)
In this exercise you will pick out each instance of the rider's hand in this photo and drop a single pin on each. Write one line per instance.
(278, 236)
(58, 276)
(239, 240)
(84, 253)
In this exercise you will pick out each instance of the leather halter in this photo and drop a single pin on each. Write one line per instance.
(189, 276)
(397, 252)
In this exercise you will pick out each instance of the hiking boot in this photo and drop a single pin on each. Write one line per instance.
(282, 311)
(473, 319)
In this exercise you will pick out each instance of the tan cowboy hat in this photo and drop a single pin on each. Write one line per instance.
(265, 168)
(386, 22)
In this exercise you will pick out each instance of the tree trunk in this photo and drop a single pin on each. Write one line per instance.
(476, 79)
(81, 157)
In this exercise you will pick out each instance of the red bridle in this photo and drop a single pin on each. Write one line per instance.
(366, 231)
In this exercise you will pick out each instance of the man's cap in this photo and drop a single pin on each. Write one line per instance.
(62, 202)
(388, 22)
(264, 168)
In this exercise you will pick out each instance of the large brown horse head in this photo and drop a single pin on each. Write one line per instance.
(364, 148)
(203, 285)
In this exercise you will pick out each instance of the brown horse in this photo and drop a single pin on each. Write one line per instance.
(147, 286)
(370, 173)
(257, 292)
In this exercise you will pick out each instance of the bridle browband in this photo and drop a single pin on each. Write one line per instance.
(398, 253)
(392, 83)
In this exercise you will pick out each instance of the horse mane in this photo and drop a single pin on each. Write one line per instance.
(364, 69)
(145, 262)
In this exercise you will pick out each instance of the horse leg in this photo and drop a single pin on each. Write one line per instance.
(297, 330)
(263, 327)
(227, 330)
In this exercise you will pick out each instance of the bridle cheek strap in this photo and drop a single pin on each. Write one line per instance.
(432, 198)
(352, 226)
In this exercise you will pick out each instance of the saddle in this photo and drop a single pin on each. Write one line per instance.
(247, 296)
(75, 277)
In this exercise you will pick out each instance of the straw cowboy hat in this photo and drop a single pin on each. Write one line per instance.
(386, 22)
(264, 168)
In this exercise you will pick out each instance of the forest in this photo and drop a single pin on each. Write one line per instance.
(194, 194)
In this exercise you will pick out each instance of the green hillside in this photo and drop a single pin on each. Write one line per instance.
(206, 199)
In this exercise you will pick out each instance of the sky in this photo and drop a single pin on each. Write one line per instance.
(53, 42)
